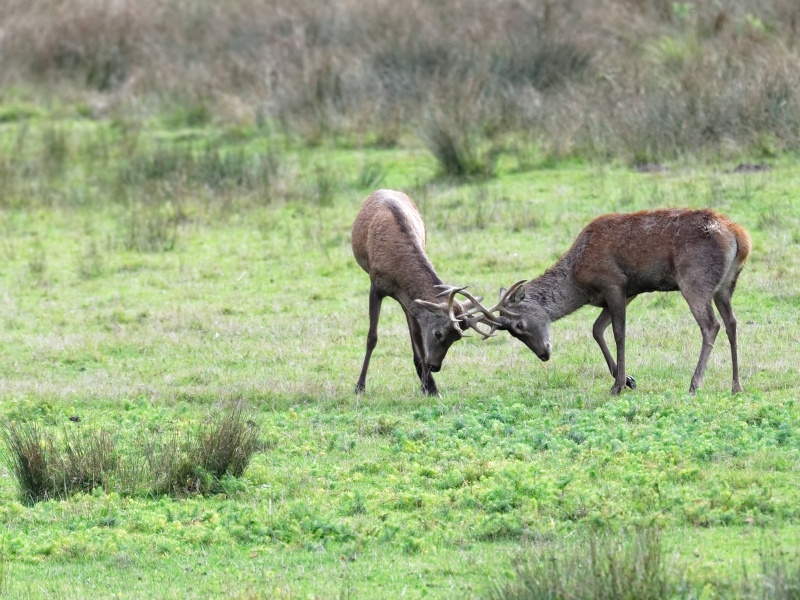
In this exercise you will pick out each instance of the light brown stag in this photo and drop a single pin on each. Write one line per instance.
(619, 256)
(388, 239)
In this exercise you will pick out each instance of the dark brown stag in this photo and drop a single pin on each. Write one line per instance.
(388, 240)
(619, 256)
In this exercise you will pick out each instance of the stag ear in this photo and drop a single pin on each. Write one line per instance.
(432, 306)
(519, 296)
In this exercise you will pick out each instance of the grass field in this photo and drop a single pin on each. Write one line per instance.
(150, 278)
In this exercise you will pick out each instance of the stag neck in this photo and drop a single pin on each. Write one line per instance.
(556, 291)
(421, 286)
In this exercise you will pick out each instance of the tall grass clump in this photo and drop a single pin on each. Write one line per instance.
(87, 461)
(164, 162)
(198, 462)
(46, 467)
(167, 470)
(232, 169)
(150, 226)
(4, 574)
(171, 462)
(603, 568)
(779, 578)
(55, 151)
(370, 176)
(459, 150)
(633, 567)
(225, 443)
(29, 452)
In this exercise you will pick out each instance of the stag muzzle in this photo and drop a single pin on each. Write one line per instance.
(543, 352)
(544, 355)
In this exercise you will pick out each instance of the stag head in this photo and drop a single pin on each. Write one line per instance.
(445, 322)
(521, 316)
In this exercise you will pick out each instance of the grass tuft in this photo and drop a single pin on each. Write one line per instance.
(458, 149)
(626, 566)
(182, 464)
(779, 578)
(45, 468)
(324, 186)
(603, 568)
(226, 443)
(30, 454)
(174, 463)
(165, 465)
(149, 227)
(87, 460)
(4, 574)
(371, 176)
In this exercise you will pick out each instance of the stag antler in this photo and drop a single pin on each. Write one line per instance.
(466, 318)
(477, 307)
(500, 306)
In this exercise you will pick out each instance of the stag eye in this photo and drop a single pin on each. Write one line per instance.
(520, 326)
(438, 335)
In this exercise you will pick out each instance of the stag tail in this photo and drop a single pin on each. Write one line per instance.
(743, 243)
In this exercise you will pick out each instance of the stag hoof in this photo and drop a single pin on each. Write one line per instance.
(630, 382)
(615, 390)
(431, 392)
(359, 388)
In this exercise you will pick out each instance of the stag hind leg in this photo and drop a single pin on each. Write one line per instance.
(700, 304)
(426, 379)
(598, 331)
(722, 300)
(375, 300)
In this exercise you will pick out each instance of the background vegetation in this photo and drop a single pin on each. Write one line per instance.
(642, 79)
(183, 322)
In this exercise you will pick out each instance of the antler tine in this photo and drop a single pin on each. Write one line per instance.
(473, 324)
(446, 289)
(477, 307)
(450, 299)
(500, 306)
(467, 317)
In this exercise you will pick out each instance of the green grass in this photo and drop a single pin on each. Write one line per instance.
(251, 295)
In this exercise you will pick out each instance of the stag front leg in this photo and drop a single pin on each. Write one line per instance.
(700, 304)
(426, 379)
(598, 331)
(616, 306)
(375, 299)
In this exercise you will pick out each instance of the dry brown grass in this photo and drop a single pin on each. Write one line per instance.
(645, 79)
